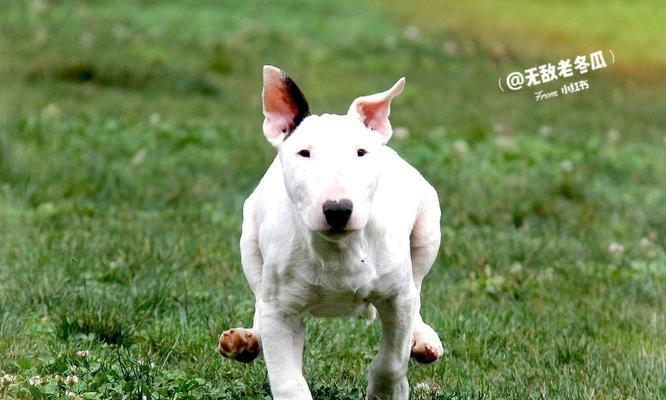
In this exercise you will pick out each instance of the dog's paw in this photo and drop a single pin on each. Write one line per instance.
(426, 347)
(240, 344)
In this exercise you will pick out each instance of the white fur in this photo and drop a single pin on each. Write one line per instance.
(295, 266)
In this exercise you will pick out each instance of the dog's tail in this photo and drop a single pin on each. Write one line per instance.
(369, 313)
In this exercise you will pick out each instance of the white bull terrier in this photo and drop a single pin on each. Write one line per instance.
(338, 225)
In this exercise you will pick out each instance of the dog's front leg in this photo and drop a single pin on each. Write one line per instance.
(283, 337)
(387, 379)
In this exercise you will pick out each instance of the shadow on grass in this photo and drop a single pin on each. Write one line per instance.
(125, 76)
(105, 326)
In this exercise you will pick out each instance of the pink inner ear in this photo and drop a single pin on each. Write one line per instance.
(374, 110)
(277, 124)
(283, 103)
(376, 116)
(277, 102)
(278, 110)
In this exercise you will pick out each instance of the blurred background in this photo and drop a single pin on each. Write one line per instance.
(130, 134)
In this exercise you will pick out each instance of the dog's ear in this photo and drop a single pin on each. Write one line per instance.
(284, 105)
(374, 110)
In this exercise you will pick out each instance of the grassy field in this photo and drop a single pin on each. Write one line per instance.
(550, 30)
(130, 134)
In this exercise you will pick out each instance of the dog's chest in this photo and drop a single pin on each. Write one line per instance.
(342, 289)
(336, 279)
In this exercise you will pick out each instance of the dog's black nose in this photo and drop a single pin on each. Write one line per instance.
(337, 213)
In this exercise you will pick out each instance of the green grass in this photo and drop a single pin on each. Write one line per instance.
(550, 30)
(130, 134)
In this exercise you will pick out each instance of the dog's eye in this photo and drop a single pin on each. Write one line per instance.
(361, 152)
(304, 153)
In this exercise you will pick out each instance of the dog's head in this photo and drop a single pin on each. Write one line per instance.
(331, 163)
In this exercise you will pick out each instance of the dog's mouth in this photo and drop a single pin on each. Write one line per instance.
(336, 234)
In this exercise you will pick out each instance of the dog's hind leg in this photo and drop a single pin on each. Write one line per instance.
(244, 344)
(424, 242)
